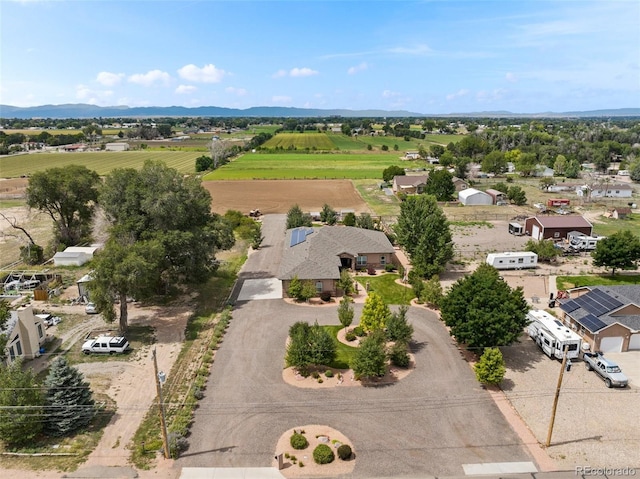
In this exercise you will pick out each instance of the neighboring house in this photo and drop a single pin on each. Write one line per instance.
(460, 184)
(605, 191)
(607, 317)
(497, 196)
(25, 334)
(473, 197)
(412, 155)
(120, 146)
(543, 171)
(620, 213)
(319, 254)
(556, 227)
(409, 184)
(561, 187)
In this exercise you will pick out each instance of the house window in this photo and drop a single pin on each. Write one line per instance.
(318, 286)
(556, 234)
(40, 333)
(383, 260)
(361, 260)
(19, 348)
(12, 353)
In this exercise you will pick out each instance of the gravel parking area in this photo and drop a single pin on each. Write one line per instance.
(594, 426)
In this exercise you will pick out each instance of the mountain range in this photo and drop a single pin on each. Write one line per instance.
(81, 110)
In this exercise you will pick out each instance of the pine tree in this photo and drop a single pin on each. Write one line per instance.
(20, 405)
(69, 403)
(370, 359)
(398, 329)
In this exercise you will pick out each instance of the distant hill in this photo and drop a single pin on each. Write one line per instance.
(81, 110)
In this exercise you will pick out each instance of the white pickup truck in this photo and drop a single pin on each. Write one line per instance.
(106, 344)
(609, 371)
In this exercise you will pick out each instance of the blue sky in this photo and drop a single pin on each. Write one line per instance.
(422, 56)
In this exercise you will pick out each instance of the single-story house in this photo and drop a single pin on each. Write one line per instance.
(621, 212)
(412, 155)
(460, 184)
(607, 317)
(473, 197)
(498, 196)
(319, 254)
(25, 334)
(605, 191)
(120, 146)
(556, 227)
(409, 184)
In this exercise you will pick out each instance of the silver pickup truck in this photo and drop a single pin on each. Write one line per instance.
(608, 370)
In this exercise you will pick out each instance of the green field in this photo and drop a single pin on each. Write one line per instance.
(608, 226)
(308, 166)
(101, 162)
(300, 141)
(568, 282)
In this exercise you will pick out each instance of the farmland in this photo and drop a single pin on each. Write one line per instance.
(319, 141)
(308, 166)
(101, 162)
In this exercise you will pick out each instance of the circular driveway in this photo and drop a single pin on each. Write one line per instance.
(430, 423)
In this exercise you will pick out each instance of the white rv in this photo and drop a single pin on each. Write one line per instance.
(513, 260)
(552, 336)
(582, 241)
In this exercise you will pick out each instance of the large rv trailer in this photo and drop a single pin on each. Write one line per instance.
(513, 260)
(552, 336)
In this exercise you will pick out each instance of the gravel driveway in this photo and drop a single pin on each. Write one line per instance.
(430, 423)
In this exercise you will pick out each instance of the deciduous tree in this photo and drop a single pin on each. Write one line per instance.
(423, 230)
(68, 195)
(490, 369)
(483, 311)
(328, 215)
(545, 249)
(494, 162)
(345, 312)
(375, 313)
(21, 403)
(296, 218)
(621, 250)
(440, 184)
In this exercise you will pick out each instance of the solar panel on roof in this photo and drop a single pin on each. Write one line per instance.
(592, 323)
(569, 306)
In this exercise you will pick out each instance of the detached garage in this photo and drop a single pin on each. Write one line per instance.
(556, 227)
(473, 197)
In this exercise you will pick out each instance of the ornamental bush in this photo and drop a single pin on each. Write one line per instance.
(328, 373)
(298, 441)
(323, 454)
(359, 331)
(344, 452)
(350, 336)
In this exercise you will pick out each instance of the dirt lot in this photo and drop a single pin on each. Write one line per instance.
(12, 187)
(277, 196)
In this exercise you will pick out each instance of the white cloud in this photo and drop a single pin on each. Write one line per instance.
(109, 79)
(295, 72)
(459, 94)
(358, 68)
(390, 94)
(281, 99)
(207, 74)
(150, 78)
(185, 89)
(511, 77)
(94, 97)
(236, 91)
(302, 72)
(415, 50)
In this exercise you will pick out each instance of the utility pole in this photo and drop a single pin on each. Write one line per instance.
(555, 399)
(163, 422)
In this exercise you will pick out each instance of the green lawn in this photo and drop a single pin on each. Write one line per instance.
(103, 162)
(344, 353)
(385, 285)
(378, 201)
(608, 226)
(567, 282)
(274, 166)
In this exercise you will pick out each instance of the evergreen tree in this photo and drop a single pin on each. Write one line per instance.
(349, 219)
(20, 405)
(490, 369)
(345, 283)
(328, 215)
(296, 218)
(345, 312)
(375, 313)
(68, 404)
(398, 329)
(432, 292)
(295, 288)
(370, 359)
(365, 221)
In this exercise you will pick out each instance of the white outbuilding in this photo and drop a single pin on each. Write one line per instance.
(473, 197)
(120, 146)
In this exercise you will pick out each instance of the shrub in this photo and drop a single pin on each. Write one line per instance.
(325, 296)
(323, 454)
(399, 356)
(344, 452)
(389, 267)
(328, 373)
(350, 336)
(320, 381)
(315, 375)
(371, 270)
(358, 331)
(298, 441)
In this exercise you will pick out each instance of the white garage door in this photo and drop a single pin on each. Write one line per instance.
(634, 343)
(535, 232)
(611, 345)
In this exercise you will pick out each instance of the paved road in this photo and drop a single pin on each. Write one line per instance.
(430, 423)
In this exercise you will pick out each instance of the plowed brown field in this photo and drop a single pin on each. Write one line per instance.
(277, 196)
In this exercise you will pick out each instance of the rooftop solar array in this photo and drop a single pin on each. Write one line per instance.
(592, 323)
(606, 299)
(569, 306)
(298, 235)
